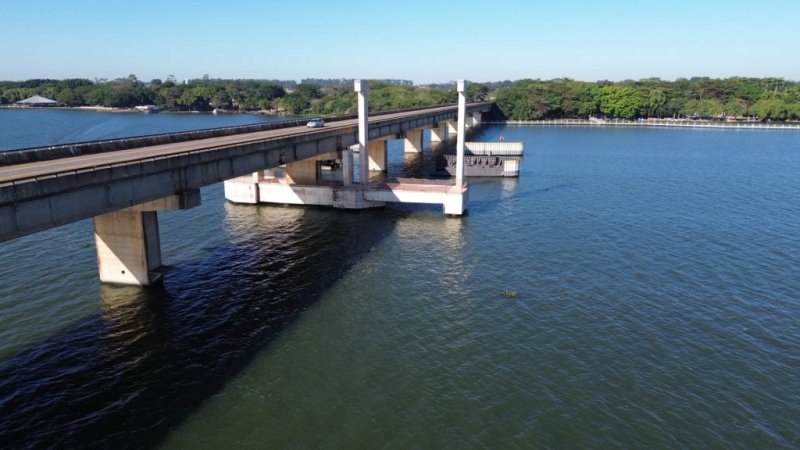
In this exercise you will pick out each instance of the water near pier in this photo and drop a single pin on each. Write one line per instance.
(657, 305)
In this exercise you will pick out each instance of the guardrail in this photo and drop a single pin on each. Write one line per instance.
(500, 148)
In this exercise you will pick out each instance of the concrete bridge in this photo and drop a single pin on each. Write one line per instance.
(122, 184)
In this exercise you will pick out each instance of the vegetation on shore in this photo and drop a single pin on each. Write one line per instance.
(762, 98)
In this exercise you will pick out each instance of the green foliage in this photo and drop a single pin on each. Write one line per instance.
(766, 98)
(619, 101)
(527, 99)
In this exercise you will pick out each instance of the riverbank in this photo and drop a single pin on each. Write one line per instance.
(659, 123)
(109, 109)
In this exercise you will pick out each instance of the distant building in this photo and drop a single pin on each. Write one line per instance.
(146, 108)
(37, 100)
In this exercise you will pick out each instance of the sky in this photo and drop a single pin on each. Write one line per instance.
(427, 41)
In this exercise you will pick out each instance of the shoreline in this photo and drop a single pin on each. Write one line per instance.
(660, 123)
(112, 109)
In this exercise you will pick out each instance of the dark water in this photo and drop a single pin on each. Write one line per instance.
(658, 305)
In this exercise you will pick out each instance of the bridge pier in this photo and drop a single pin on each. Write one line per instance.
(306, 171)
(439, 132)
(451, 129)
(128, 242)
(413, 142)
(378, 151)
(476, 119)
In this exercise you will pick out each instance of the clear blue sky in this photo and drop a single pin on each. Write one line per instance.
(424, 41)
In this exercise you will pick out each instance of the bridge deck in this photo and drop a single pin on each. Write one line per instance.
(86, 162)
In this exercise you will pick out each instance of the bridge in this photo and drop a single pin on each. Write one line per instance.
(122, 184)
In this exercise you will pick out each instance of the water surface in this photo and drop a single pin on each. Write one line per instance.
(657, 305)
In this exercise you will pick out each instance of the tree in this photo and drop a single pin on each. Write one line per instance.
(308, 90)
(772, 109)
(622, 102)
(295, 103)
(477, 92)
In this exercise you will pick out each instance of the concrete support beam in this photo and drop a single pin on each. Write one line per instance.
(378, 155)
(439, 132)
(413, 142)
(184, 200)
(362, 89)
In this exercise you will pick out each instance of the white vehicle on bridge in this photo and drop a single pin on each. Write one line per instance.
(315, 123)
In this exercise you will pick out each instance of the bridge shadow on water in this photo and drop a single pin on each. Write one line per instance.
(124, 378)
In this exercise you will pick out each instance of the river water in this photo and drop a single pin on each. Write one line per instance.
(657, 281)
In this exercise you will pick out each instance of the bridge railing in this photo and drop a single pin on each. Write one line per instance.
(34, 154)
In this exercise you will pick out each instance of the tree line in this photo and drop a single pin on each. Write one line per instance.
(761, 98)
(707, 98)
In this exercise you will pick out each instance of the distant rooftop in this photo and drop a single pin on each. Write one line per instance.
(37, 100)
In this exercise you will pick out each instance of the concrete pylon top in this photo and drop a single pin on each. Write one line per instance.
(461, 85)
(357, 85)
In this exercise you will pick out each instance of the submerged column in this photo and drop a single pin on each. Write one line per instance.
(362, 89)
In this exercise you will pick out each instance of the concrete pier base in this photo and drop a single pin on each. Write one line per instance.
(405, 190)
(283, 193)
(455, 203)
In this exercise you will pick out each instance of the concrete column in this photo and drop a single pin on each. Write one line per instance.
(462, 116)
(362, 90)
(452, 129)
(347, 166)
(304, 171)
(128, 243)
(378, 155)
(413, 141)
(439, 132)
(128, 247)
(476, 119)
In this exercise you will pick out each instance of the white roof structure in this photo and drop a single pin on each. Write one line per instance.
(37, 100)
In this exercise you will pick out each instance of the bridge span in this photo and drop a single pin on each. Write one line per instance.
(123, 189)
